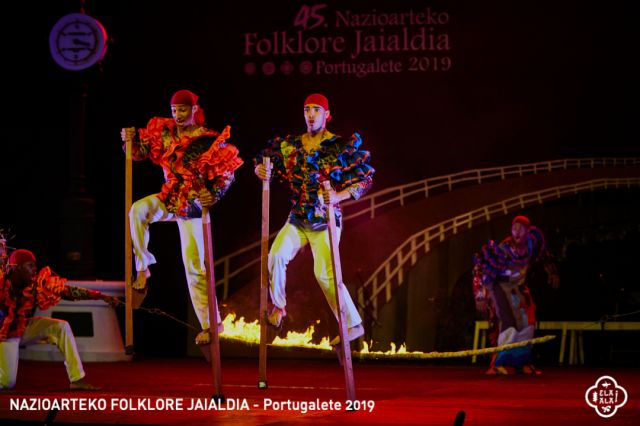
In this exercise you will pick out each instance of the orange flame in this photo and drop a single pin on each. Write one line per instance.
(392, 351)
(250, 333)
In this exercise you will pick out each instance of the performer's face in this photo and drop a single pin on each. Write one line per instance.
(316, 117)
(519, 232)
(182, 114)
(25, 273)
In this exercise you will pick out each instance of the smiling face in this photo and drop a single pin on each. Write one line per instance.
(182, 114)
(316, 117)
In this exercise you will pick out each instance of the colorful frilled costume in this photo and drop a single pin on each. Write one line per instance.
(501, 291)
(18, 326)
(200, 159)
(346, 166)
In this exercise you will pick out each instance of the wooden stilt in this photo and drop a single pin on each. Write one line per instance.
(128, 254)
(344, 347)
(264, 281)
(214, 345)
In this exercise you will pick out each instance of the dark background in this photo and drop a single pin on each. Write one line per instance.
(531, 81)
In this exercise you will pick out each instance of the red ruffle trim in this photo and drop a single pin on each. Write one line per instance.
(221, 158)
(16, 317)
(50, 287)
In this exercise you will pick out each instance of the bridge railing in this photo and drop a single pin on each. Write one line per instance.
(234, 264)
(378, 289)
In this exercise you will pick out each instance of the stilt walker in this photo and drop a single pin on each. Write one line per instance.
(344, 347)
(264, 281)
(214, 345)
(198, 164)
(302, 162)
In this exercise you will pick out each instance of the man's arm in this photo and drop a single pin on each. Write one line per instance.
(77, 293)
(357, 190)
(51, 288)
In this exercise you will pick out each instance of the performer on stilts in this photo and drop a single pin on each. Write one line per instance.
(198, 165)
(302, 162)
(501, 291)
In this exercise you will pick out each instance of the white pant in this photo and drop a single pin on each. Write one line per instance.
(288, 242)
(39, 330)
(151, 209)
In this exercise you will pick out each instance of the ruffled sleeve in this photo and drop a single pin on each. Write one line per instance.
(490, 262)
(352, 167)
(220, 159)
(541, 253)
(273, 151)
(150, 144)
(49, 288)
(14, 317)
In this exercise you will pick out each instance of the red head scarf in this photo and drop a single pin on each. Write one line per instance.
(184, 97)
(521, 219)
(318, 99)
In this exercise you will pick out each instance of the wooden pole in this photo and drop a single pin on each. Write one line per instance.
(213, 305)
(345, 344)
(128, 253)
(264, 281)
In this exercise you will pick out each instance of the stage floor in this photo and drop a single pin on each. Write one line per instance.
(390, 392)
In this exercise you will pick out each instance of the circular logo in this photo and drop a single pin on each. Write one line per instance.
(249, 68)
(306, 67)
(268, 68)
(606, 396)
(286, 68)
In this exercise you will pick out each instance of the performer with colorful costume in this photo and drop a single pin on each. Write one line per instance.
(198, 165)
(501, 290)
(21, 292)
(303, 162)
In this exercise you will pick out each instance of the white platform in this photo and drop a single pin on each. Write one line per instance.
(103, 342)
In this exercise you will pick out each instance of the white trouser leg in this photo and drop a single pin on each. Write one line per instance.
(323, 270)
(144, 212)
(9, 356)
(56, 332)
(193, 258)
(288, 242)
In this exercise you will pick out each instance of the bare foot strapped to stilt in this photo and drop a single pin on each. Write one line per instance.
(276, 316)
(141, 280)
(204, 337)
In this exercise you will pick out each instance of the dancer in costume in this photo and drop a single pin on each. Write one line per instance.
(302, 162)
(502, 292)
(22, 290)
(198, 165)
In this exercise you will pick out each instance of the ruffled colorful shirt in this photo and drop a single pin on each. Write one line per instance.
(203, 159)
(338, 159)
(46, 290)
(501, 262)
